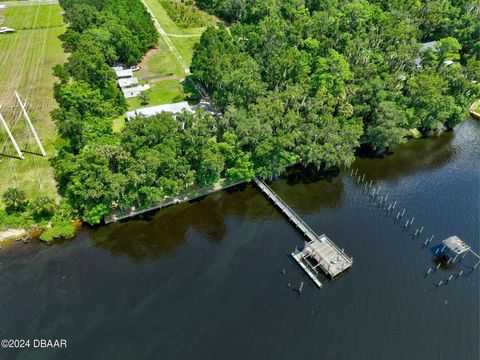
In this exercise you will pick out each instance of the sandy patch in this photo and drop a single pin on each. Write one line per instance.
(12, 234)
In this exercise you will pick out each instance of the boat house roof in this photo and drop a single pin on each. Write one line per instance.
(456, 245)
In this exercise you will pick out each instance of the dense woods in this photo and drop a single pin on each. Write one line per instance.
(298, 82)
(312, 80)
(97, 170)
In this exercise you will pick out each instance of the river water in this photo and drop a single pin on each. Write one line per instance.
(204, 280)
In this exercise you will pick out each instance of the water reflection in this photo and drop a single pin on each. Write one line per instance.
(313, 190)
(411, 157)
(161, 233)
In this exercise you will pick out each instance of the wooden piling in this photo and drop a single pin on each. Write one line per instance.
(394, 204)
(403, 212)
(429, 270)
(421, 230)
(438, 265)
(301, 288)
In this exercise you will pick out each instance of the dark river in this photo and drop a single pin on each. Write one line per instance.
(204, 280)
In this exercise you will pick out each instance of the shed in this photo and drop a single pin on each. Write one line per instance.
(123, 83)
(122, 74)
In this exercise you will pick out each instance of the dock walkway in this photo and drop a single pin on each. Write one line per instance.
(328, 256)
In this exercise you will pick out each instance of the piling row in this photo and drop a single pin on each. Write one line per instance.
(374, 193)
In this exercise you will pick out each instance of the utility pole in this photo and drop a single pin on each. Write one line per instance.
(30, 125)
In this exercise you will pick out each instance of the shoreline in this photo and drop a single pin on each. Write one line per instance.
(12, 234)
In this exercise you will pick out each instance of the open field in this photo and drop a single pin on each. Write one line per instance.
(26, 61)
(161, 68)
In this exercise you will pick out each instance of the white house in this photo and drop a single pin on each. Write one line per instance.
(174, 108)
(133, 81)
(131, 92)
(124, 73)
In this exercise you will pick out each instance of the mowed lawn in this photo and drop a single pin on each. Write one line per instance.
(26, 61)
(160, 67)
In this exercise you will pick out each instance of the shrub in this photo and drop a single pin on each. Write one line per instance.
(14, 199)
(185, 14)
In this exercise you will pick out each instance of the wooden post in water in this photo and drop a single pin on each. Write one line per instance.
(428, 271)
(394, 204)
(301, 288)
(438, 265)
(421, 230)
(411, 221)
(403, 212)
(440, 283)
(371, 182)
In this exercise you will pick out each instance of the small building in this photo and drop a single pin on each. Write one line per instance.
(6, 30)
(127, 82)
(453, 247)
(174, 108)
(135, 91)
(124, 73)
(430, 45)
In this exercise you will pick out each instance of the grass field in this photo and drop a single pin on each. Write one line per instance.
(161, 69)
(26, 61)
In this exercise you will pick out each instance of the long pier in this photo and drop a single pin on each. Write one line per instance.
(320, 249)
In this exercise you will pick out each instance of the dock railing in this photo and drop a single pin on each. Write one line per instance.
(292, 215)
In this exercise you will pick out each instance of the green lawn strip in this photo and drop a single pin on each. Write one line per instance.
(161, 63)
(185, 47)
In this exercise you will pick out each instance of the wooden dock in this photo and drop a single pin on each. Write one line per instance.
(319, 251)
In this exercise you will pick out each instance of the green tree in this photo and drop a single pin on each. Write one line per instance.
(389, 126)
(42, 208)
(14, 200)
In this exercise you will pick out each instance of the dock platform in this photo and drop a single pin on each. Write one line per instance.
(319, 251)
